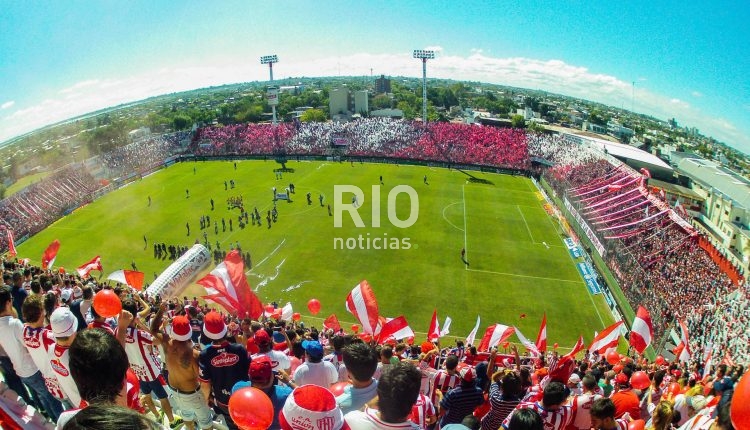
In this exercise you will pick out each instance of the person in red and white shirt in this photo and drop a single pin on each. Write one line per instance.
(140, 346)
(99, 366)
(39, 340)
(554, 413)
(581, 404)
(64, 327)
(423, 412)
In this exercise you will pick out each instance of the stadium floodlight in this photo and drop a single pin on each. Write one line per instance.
(270, 59)
(424, 55)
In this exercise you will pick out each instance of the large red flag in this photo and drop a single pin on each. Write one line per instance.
(433, 334)
(642, 331)
(48, 258)
(86, 268)
(495, 334)
(607, 338)
(11, 244)
(396, 328)
(362, 304)
(128, 277)
(332, 322)
(541, 338)
(228, 286)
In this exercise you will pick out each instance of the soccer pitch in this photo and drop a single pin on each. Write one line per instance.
(518, 263)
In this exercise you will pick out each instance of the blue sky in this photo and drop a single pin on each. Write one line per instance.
(688, 61)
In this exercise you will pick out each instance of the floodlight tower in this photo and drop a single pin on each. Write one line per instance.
(424, 55)
(273, 94)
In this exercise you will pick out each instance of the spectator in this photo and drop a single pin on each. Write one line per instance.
(360, 361)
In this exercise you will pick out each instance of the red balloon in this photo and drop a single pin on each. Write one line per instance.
(269, 309)
(506, 344)
(740, 409)
(355, 328)
(674, 389)
(555, 345)
(659, 360)
(61, 269)
(365, 337)
(637, 425)
(613, 357)
(313, 306)
(410, 340)
(107, 304)
(296, 316)
(338, 388)
(617, 368)
(640, 380)
(276, 314)
(251, 409)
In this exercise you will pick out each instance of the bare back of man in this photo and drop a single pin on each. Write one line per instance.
(182, 363)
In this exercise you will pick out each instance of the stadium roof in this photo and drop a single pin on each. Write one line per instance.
(676, 189)
(722, 179)
(621, 150)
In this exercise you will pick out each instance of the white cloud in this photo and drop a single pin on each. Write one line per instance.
(7, 104)
(551, 75)
(697, 94)
(436, 48)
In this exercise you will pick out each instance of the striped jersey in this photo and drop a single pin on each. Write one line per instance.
(143, 357)
(38, 342)
(582, 410)
(444, 382)
(422, 409)
(59, 360)
(553, 420)
(500, 408)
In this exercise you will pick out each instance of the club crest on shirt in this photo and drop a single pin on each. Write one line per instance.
(225, 359)
(58, 367)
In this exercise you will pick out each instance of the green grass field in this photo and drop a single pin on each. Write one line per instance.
(25, 182)
(518, 262)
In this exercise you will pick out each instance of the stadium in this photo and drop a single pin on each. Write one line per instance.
(503, 214)
(280, 216)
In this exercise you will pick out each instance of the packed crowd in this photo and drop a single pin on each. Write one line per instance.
(42, 203)
(657, 263)
(378, 137)
(140, 156)
(188, 361)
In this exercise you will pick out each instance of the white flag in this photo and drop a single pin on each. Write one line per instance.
(472, 336)
(287, 312)
(446, 326)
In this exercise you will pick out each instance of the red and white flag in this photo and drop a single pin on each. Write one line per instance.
(527, 343)
(494, 335)
(578, 347)
(642, 331)
(86, 268)
(683, 348)
(128, 277)
(707, 354)
(433, 334)
(473, 335)
(332, 322)
(541, 338)
(395, 329)
(11, 244)
(608, 338)
(287, 312)
(362, 304)
(48, 258)
(228, 286)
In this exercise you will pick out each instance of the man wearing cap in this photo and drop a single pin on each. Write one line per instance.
(625, 399)
(314, 370)
(462, 400)
(261, 377)
(64, 327)
(279, 360)
(182, 362)
(12, 341)
(221, 365)
(310, 407)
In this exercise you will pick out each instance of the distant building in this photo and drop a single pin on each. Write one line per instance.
(619, 131)
(726, 213)
(338, 102)
(361, 105)
(382, 85)
(138, 134)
